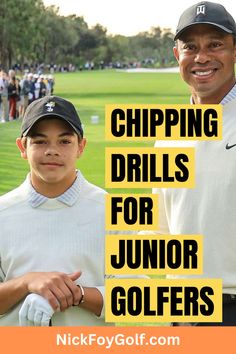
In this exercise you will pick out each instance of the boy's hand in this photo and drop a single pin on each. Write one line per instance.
(35, 311)
(59, 289)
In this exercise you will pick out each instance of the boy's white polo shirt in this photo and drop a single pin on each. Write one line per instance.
(54, 234)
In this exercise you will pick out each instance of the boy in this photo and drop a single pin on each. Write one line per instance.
(52, 227)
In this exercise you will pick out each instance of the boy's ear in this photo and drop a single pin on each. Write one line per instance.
(81, 147)
(21, 146)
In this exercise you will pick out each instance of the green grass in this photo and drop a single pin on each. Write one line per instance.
(89, 92)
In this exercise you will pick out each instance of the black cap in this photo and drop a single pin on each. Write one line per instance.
(209, 13)
(51, 106)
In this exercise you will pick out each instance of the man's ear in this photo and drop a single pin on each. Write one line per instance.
(81, 147)
(176, 53)
(20, 142)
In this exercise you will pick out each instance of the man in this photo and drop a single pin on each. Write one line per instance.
(52, 227)
(206, 52)
(24, 95)
(31, 94)
(13, 96)
(4, 96)
(42, 86)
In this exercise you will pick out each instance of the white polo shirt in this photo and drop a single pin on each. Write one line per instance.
(64, 234)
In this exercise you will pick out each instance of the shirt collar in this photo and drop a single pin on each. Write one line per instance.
(229, 97)
(69, 197)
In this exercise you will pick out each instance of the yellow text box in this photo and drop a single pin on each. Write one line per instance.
(131, 212)
(154, 254)
(150, 167)
(163, 122)
(163, 300)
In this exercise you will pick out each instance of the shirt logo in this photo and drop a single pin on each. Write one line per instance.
(201, 9)
(229, 146)
(50, 106)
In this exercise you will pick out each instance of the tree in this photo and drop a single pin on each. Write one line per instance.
(118, 49)
(57, 37)
(19, 22)
(155, 44)
(31, 32)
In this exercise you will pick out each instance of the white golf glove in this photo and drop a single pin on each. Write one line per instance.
(35, 311)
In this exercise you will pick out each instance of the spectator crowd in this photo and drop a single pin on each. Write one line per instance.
(16, 94)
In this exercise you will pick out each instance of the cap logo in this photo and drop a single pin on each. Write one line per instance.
(201, 9)
(50, 106)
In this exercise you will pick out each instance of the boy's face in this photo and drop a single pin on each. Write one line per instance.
(52, 150)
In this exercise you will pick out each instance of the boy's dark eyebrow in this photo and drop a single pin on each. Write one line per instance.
(37, 135)
(41, 135)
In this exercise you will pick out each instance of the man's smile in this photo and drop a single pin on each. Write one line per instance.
(203, 73)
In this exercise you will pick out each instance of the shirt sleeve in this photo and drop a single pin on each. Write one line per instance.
(123, 276)
(2, 275)
(101, 289)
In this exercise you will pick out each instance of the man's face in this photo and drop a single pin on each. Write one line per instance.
(206, 57)
(52, 150)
